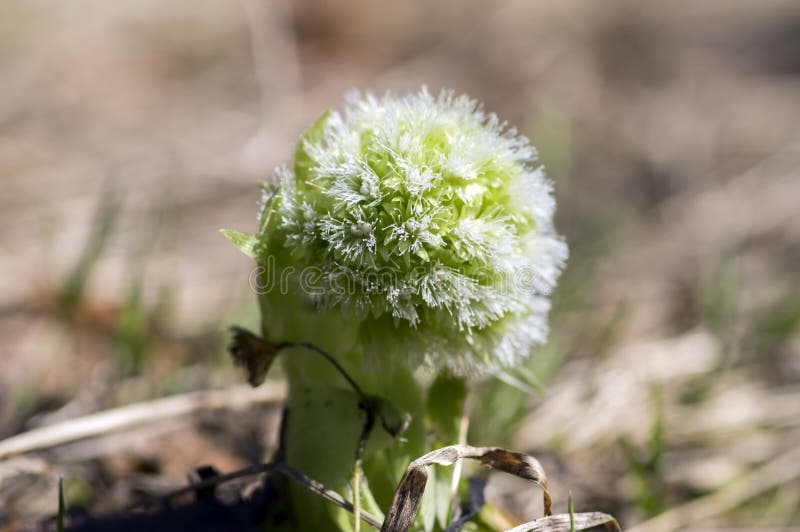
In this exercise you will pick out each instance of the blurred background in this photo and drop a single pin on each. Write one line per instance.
(131, 131)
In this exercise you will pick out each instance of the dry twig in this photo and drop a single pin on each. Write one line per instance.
(136, 415)
(279, 467)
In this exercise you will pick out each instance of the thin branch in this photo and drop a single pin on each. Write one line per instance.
(324, 492)
(279, 467)
(257, 354)
(329, 358)
(138, 414)
(217, 480)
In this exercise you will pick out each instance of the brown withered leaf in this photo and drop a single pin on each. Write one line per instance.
(405, 503)
(393, 420)
(253, 353)
(561, 523)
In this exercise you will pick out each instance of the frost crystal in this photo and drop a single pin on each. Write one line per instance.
(438, 217)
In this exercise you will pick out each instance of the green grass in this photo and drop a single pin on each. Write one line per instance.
(61, 505)
(646, 466)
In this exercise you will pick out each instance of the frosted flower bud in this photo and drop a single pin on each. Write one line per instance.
(438, 217)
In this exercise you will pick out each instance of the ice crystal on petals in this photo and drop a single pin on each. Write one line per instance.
(439, 219)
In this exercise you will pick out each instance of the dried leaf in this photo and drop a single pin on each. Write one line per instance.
(406, 501)
(393, 420)
(252, 352)
(562, 523)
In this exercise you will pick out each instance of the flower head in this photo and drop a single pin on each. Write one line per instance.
(429, 226)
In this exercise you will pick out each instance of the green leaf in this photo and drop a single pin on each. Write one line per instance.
(429, 507)
(246, 242)
(571, 514)
(302, 160)
(61, 505)
(521, 378)
(446, 406)
(104, 219)
(368, 502)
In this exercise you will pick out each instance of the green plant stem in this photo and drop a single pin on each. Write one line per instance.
(327, 431)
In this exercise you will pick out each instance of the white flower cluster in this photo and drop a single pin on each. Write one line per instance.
(435, 213)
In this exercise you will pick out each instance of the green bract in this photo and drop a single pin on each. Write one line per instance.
(424, 223)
